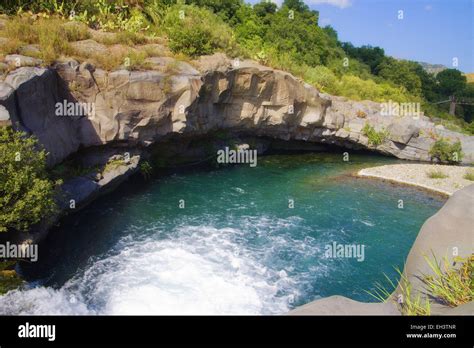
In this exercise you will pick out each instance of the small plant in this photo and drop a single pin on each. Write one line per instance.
(446, 152)
(26, 191)
(469, 175)
(436, 174)
(361, 114)
(113, 164)
(9, 279)
(408, 304)
(375, 138)
(146, 170)
(449, 285)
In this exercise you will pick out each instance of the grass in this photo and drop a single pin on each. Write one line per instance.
(469, 175)
(51, 35)
(451, 285)
(113, 164)
(71, 169)
(146, 170)
(436, 174)
(124, 38)
(375, 137)
(12, 46)
(407, 302)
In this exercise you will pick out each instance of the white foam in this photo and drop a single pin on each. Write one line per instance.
(199, 270)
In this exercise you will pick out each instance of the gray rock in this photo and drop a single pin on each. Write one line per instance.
(30, 50)
(87, 48)
(445, 234)
(402, 130)
(144, 106)
(4, 117)
(340, 305)
(19, 60)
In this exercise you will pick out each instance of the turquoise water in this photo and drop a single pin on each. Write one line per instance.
(235, 248)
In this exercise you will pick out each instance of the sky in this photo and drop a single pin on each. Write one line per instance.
(432, 31)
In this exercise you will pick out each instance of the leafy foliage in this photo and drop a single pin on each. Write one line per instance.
(26, 192)
(446, 152)
(287, 37)
(449, 285)
(436, 174)
(375, 138)
(196, 31)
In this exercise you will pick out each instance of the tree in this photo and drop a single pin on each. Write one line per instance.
(401, 73)
(199, 32)
(372, 56)
(226, 8)
(26, 192)
(450, 81)
(296, 5)
(264, 8)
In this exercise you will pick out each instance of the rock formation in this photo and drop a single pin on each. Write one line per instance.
(137, 108)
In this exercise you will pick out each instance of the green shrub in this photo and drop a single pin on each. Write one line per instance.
(320, 76)
(375, 138)
(451, 286)
(436, 174)
(469, 175)
(196, 31)
(445, 152)
(146, 170)
(26, 192)
(410, 303)
(355, 88)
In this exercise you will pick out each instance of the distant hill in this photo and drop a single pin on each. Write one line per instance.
(470, 77)
(432, 68)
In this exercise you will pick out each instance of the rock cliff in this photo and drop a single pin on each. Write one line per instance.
(138, 108)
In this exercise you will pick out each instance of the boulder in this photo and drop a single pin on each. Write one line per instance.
(402, 130)
(4, 117)
(19, 60)
(89, 47)
(340, 305)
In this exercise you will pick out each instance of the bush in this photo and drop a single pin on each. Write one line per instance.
(451, 286)
(436, 174)
(320, 76)
(445, 152)
(469, 175)
(355, 88)
(26, 192)
(196, 31)
(375, 138)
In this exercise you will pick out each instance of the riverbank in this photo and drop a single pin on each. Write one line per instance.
(443, 179)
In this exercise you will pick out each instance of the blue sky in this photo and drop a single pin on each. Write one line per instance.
(433, 31)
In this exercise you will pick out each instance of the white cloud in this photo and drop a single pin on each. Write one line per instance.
(337, 3)
(324, 21)
(428, 8)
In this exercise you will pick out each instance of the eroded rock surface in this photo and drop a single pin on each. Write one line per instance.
(141, 107)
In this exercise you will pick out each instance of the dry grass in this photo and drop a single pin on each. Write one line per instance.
(50, 34)
(469, 175)
(12, 46)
